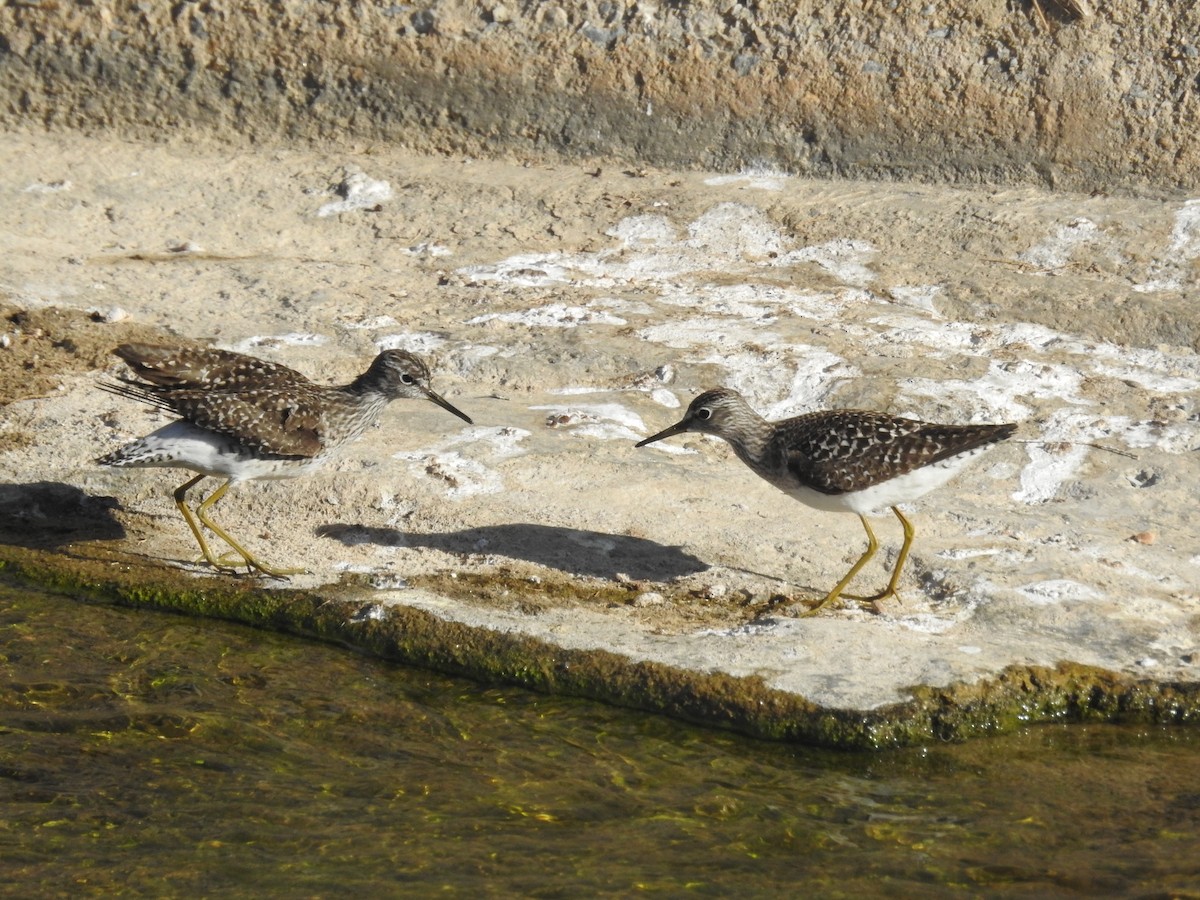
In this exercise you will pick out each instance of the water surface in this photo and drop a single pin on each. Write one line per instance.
(144, 754)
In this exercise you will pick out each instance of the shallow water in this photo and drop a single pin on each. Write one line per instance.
(149, 754)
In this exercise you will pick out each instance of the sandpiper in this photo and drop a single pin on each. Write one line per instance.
(245, 418)
(843, 461)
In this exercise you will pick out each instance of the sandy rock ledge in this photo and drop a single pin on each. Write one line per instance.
(571, 312)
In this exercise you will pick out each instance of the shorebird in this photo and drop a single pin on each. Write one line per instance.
(244, 418)
(843, 461)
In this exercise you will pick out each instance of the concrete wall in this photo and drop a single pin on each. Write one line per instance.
(978, 90)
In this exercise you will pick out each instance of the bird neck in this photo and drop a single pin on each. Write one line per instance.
(752, 449)
(366, 385)
(751, 440)
(360, 409)
(364, 395)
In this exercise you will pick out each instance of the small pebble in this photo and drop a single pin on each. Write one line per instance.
(663, 397)
(649, 598)
(715, 591)
(109, 316)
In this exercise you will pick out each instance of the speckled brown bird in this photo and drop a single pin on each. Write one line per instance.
(244, 418)
(843, 461)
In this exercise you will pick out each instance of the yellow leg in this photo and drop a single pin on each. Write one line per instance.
(894, 581)
(832, 596)
(251, 560)
(181, 505)
(903, 557)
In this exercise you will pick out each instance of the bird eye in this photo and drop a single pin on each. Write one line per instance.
(704, 413)
(407, 379)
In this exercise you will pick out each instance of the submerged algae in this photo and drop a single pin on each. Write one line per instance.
(1017, 697)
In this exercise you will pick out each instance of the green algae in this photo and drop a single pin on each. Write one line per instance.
(1017, 697)
(534, 593)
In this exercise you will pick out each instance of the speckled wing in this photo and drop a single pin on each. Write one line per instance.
(850, 450)
(267, 407)
(204, 367)
(269, 421)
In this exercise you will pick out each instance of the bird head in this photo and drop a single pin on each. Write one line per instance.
(721, 411)
(399, 375)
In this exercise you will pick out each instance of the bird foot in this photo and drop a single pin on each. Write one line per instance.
(874, 602)
(811, 611)
(221, 564)
(231, 563)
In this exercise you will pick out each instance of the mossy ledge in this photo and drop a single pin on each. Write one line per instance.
(1017, 697)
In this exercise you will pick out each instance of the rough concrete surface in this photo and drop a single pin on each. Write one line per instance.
(573, 310)
(1077, 94)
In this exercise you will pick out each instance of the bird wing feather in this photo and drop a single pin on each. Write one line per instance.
(273, 421)
(841, 451)
(204, 367)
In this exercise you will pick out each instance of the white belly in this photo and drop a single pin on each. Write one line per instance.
(182, 445)
(878, 498)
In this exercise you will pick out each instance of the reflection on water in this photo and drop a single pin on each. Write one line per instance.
(157, 755)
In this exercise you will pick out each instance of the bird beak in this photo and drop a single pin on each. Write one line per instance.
(446, 405)
(678, 428)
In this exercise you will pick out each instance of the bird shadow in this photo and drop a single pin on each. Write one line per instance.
(49, 514)
(584, 553)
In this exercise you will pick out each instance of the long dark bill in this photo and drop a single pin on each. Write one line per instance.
(677, 428)
(448, 406)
